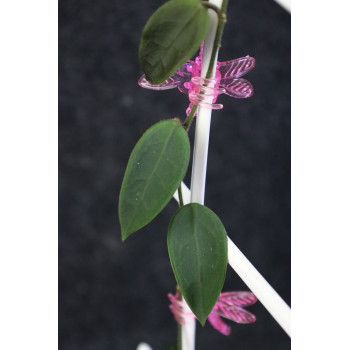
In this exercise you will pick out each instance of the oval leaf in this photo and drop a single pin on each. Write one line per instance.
(172, 36)
(197, 244)
(155, 170)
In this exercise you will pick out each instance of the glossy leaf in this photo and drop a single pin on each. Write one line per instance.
(155, 170)
(171, 36)
(197, 244)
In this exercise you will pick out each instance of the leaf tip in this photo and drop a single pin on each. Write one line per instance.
(202, 321)
(125, 233)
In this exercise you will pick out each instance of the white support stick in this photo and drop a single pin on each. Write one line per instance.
(274, 304)
(201, 141)
(285, 4)
(200, 155)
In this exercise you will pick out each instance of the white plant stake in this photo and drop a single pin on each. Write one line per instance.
(200, 156)
(285, 4)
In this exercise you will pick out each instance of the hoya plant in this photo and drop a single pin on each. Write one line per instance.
(196, 238)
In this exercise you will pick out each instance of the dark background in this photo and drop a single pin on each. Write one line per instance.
(113, 295)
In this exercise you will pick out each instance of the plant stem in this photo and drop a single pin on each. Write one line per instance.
(178, 291)
(181, 201)
(187, 123)
(217, 41)
(179, 337)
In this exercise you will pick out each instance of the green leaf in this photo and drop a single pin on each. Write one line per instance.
(172, 36)
(155, 170)
(197, 244)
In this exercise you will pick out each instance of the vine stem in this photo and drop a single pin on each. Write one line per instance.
(201, 143)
